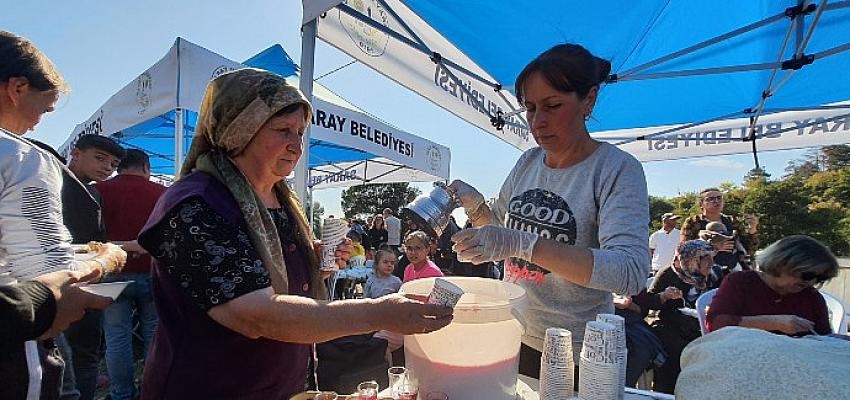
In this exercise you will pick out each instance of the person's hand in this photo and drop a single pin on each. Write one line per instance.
(71, 301)
(492, 243)
(725, 246)
(112, 257)
(671, 293)
(132, 247)
(409, 316)
(470, 198)
(341, 255)
(790, 324)
(622, 302)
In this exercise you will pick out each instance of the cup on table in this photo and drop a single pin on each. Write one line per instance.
(398, 377)
(408, 391)
(333, 233)
(445, 293)
(368, 390)
(326, 396)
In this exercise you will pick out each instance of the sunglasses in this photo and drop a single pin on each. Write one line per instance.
(813, 276)
(714, 199)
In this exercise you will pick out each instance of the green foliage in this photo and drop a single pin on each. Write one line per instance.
(363, 200)
(657, 207)
(813, 198)
(317, 211)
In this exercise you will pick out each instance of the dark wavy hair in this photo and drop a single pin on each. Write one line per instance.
(568, 67)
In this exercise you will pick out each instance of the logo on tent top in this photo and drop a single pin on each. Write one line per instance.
(370, 40)
(144, 85)
(434, 157)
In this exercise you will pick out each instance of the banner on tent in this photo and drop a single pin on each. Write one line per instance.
(356, 130)
(379, 170)
(467, 97)
(778, 131)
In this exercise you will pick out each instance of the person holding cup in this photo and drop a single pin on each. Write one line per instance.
(571, 219)
(236, 278)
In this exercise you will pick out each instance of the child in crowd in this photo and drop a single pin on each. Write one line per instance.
(383, 282)
(358, 250)
(416, 247)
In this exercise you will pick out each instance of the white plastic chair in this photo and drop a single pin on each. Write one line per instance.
(837, 315)
(702, 303)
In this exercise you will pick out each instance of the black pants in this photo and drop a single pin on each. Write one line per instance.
(674, 340)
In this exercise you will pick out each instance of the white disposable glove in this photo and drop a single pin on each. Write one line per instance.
(493, 243)
(470, 198)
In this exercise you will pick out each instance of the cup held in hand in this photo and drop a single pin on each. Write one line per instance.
(333, 234)
(445, 293)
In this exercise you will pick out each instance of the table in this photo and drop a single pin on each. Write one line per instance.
(526, 390)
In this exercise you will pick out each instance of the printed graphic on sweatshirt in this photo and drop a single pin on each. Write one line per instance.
(546, 214)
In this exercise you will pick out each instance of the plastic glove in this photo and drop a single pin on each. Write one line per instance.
(470, 198)
(493, 243)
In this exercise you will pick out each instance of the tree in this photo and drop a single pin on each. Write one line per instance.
(317, 211)
(800, 169)
(782, 209)
(657, 207)
(362, 200)
(836, 157)
(756, 176)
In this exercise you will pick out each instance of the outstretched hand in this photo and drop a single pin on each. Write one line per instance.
(493, 243)
(408, 316)
(71, 301)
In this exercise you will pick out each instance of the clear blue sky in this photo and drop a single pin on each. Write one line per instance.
(100, 46)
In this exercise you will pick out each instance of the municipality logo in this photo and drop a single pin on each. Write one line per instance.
(370, 40)
(434, 158)
(144, 86)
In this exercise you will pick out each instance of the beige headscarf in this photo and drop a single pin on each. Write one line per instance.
(235, 106)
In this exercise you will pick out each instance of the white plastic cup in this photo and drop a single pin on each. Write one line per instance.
(445, 293)
(333, 234)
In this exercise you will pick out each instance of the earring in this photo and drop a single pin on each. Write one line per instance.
(587, 116)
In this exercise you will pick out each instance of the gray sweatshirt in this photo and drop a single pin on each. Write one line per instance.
(600, 203)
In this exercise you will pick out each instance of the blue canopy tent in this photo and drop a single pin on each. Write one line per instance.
(690, 78)
(157, 113)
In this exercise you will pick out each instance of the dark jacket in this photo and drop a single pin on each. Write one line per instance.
(81, 211)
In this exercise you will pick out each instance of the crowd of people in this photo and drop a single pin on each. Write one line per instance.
(225, 273)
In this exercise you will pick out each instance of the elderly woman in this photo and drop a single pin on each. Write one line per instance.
(729, 253)
(675, 287)
(571, 218)
(235, 274)
(781, 296)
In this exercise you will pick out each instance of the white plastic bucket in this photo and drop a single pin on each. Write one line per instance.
(477, 355)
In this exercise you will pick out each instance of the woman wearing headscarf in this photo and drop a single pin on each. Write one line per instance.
(678, 286)
(235, 274)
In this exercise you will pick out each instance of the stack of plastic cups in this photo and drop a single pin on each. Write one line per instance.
(557, 365)
(622, 351)
(599, 377)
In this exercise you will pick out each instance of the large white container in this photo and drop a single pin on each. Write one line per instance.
(476, 357)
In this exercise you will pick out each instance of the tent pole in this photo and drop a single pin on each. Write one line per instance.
(178, 140)
(308, 53)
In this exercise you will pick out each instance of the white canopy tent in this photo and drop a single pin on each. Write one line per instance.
(156, 112)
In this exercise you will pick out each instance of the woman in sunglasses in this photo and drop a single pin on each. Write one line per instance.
(782, 296)
(710, 202)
